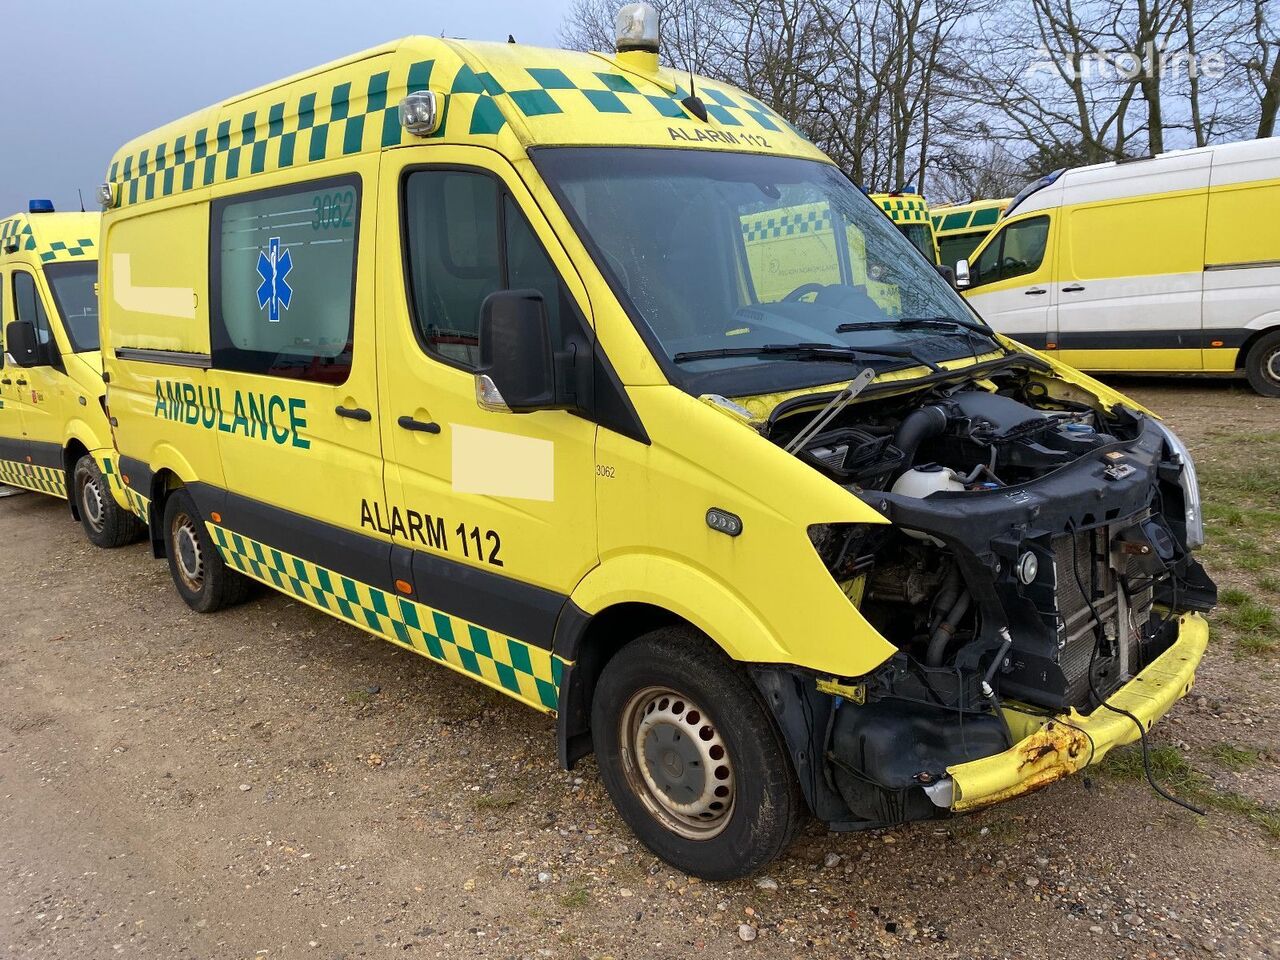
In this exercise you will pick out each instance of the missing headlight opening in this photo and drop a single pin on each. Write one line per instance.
(1036, 559)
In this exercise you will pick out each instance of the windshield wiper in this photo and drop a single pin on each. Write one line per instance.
(953, 322)
(808, 351)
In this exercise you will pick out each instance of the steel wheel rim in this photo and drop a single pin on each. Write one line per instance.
(677, 763)
(1272, 367)
(187, 555)
(91, 504)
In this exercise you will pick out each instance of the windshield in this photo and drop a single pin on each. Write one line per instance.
(74, 296)
(727, 253)
(921, 237)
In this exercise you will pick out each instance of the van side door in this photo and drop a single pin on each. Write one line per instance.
(494, 512)
(42, 388)
(1011, 279)
(13, 444)
(1130, 275)
(291, 393)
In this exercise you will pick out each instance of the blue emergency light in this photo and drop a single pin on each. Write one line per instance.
(40, 206)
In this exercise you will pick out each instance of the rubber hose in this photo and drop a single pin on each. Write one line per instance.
(946, 630)
(915, 428)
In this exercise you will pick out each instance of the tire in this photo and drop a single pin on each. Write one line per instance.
(203, 580)
(105, 522)
(672, 700)
(1263, 365)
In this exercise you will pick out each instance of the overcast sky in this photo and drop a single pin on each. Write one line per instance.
(79, 79)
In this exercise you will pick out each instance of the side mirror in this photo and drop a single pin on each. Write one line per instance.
(517, 367)
(948, 274)
(21, 343)
(961, 272)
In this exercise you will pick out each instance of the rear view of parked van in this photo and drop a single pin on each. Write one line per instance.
(627, 403)
(54, 435)
(1168, 264)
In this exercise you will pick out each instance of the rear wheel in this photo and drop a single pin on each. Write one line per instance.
(1263, 365)
(205, 582)
(691, 757)
(105, 522)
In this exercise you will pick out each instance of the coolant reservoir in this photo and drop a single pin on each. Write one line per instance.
(922, 481)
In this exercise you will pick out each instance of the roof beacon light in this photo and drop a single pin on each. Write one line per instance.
(40, 206)
(637, 28)
(419, 114)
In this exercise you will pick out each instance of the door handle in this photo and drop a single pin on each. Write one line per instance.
(6, 381)
(22, 383)
(354, 413)
(1074, 288)
(420, 426)
(1035, 291)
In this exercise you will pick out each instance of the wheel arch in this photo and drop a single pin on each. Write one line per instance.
(1242, 355)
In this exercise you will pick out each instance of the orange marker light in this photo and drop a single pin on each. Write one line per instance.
(215, 516)
(404, 586)
(1217, 343)
(1051, 346)
(125, 478)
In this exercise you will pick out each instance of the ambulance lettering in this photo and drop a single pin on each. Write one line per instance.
(258, 416)
(430, 531)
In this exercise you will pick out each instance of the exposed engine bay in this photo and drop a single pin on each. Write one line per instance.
(1038, 554)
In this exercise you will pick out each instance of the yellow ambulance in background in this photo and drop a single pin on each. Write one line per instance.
(473, 346)
(960, 227)
(54, 435)
(910, 214)
(1167, 264)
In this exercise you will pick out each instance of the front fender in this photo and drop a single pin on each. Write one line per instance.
(664, 582)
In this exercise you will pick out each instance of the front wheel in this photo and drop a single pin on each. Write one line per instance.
(105, 522)
(205, 582)
(691, 757)
(1263, 365)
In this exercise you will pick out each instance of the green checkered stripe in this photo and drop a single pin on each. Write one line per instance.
(48, 480)
(786, 225)
(552, 91)
(287, 133)
(17, 227)
(905, 209)
(139, 505)
(61, 250)
(520, 670)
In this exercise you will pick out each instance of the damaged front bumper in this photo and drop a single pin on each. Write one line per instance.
(1052, 749)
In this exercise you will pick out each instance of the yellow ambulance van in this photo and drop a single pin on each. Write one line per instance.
(54, 436)
(960, 227)
(472, 346)
(1167, 264)
(910, 214)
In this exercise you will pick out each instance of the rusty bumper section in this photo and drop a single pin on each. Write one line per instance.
(1051, 750)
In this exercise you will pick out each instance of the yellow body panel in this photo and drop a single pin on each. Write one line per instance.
(47, 410)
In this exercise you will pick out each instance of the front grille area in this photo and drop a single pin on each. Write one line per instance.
(1122, 597)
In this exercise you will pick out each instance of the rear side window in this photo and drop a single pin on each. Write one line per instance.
(28, 306)
(282, 280)
(465, 238)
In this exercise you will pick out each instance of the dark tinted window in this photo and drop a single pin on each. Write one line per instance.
(77, 302)
(1017, 250)
(283, 280)
(28, 306)
(465, 239)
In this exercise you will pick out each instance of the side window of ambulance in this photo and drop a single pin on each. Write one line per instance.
(28, 306)
(282, 281)
(465, 239)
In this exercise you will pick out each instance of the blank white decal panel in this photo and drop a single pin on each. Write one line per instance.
(499, 464)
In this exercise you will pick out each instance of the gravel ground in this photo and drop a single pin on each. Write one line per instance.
(268, 782)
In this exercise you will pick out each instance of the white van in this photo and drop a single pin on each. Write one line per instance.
(1163, 264)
